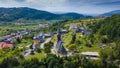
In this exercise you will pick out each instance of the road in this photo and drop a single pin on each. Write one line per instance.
(27, 52)
(46, 41)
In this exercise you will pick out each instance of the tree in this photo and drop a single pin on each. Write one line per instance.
(47, 47)
(72, 47)
(38, 50)
(32, 52)
(9, 62)
(73, 38)
(18, 40)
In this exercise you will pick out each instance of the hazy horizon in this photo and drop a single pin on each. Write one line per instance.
(63, 6)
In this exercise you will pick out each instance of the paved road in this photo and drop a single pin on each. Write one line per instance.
(27, 52)
(46, 41)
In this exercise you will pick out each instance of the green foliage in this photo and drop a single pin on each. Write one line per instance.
(109, 27)
(24, 13)
(32, 52)
(38, 50)
(47, 47)
(8, 62)
(52, 61)
(73, 38)
(72, 46)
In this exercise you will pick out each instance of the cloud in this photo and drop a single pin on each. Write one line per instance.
(109, 3)
(80, 6)
(20, 0)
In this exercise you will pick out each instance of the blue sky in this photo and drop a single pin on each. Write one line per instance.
(61, 6)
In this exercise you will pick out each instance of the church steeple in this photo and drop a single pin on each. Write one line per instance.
(58, 33)
(59, 44)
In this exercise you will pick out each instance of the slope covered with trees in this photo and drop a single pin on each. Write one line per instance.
(110, 27)
(12, 14)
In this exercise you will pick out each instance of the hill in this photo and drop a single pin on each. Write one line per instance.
(111, 13)
(109, 27)
(12, 14)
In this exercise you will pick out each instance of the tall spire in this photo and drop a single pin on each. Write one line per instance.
(59, 45)
(59, 33)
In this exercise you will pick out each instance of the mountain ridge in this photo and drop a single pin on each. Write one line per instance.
(11, 14)
(110, 13)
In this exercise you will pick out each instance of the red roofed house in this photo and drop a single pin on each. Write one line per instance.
(6, 45)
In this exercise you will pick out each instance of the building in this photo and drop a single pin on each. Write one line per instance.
(43, 25)
(49, 34)
(64, 31)
(59, 45)
(86, 32)
(41, 36)
(6, 45)
(35, 42)
(82, 29)
(9, 40)
(91, 55)
(73, 27)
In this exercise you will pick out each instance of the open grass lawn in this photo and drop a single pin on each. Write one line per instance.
(81, 47)
(37, 55)
(4, 30)
(91, 49)
(24, 43)
(67, 39)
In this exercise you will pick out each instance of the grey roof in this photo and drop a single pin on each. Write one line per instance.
(60, 48)
(73, 26)
(41, 34)
(35, 38)
(82, 28)
(86, 32)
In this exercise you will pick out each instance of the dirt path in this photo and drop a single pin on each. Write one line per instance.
(46, 41)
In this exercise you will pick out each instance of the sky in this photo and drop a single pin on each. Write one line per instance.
(63, 6)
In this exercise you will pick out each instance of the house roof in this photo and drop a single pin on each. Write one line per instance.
(82, 28)
(90, 53)
(34, 38)
(5, 45)
(18, 36)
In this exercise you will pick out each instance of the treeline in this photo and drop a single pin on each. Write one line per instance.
(108, 32)
(52, 61)
(13, 14)
(109, 27)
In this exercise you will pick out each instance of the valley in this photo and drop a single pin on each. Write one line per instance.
(91, 41)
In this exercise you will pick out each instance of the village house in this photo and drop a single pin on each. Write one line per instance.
(43, 25)
(82, 29)
(41, 36)
(86, 32)
(74, 27)
(91, 55)
(49, 34)
(35, 42)
(6, 45)
(64, 31)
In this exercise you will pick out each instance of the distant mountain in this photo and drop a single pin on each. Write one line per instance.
(12, 14)
(111, 13)
(73, 16)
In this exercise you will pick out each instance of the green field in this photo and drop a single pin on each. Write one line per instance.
(39, 56)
